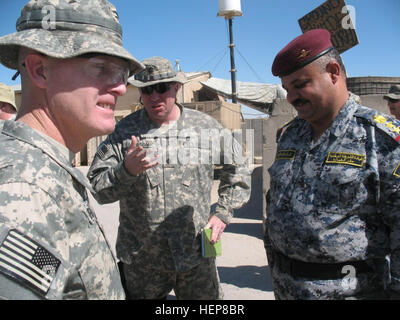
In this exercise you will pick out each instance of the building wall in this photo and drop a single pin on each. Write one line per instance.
(188, 92)
(226, 113)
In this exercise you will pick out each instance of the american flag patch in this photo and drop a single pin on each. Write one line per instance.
(25, 260)
(103, 151)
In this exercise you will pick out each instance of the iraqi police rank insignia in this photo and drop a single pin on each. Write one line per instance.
(396, 171)
(388, 126)
(25, 260)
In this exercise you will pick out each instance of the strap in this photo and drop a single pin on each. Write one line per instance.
(320, 271)
(34, 18)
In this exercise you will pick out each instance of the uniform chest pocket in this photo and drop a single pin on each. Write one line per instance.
(154, 176)
(280, 174)
(340, 187)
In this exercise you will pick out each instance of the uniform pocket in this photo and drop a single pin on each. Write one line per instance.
(340, 188)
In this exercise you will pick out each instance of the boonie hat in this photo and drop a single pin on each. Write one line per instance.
(157, 70)
(394, 93)
(301, 51)
(66, 29)
(7, 94)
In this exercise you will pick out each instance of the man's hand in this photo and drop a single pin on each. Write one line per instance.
(136, 161)
(217, 227)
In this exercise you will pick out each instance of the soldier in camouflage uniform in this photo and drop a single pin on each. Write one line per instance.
(8, 107)
(393, 100)
(151, 163)
(73, 69)
(333, 206)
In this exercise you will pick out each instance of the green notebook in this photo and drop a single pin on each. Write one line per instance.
(209, 250)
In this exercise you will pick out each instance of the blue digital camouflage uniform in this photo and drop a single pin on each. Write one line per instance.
(163, 210)
(51, 245)
(337, 200)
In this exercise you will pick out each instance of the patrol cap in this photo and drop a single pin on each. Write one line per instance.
(301, 51)
(394, 93)
(157, 70)
(7, 94)
(66, 29)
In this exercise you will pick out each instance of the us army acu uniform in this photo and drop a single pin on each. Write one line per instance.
(336, 203)
(7, 95)
(163, 210)
(51, 245)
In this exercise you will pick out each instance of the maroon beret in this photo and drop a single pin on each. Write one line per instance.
(301, 51)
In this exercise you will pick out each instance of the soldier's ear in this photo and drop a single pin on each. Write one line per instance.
(35, 65)
(333, 68)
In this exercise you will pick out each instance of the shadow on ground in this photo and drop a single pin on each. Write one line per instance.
(250, 229)
(253, 208)
(254, 277)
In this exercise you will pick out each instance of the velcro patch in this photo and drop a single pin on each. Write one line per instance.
(26, 261)
(352, 159)
(396, 172)
(103, 150)
(286, 155)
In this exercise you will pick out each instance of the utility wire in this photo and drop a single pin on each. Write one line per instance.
(251, 68)
(205, 64)
(219, 61)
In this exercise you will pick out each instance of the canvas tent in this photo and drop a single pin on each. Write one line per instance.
(258, 96)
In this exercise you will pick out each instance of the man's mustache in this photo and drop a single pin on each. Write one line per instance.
(298, 102)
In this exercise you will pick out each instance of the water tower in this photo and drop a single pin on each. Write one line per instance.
(230, 9)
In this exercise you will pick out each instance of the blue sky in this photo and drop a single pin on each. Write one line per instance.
(189, 30)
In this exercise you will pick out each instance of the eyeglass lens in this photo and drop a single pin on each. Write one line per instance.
(107, 71)
(159, 88)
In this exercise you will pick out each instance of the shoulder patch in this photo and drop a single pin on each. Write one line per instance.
(396, 171)
(24, 260)
(103, 151)
(387, 124)
(282, 129)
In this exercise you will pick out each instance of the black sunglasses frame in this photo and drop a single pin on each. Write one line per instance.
(160, 88)
(393, 100)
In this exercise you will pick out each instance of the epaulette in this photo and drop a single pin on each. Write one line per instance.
(282, 129)
(383, 122)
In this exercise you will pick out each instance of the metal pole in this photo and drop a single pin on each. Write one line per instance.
(233, 70)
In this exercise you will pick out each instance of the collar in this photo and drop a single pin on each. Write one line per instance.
(344, 117)
(56, 151)
(175, 124)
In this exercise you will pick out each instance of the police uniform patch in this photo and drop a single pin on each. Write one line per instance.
(396, 171)
(388, 125)
(352, 159)
(286, 155)
(25, 260)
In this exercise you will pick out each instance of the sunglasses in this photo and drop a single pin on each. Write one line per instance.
(393, 100)
(159, 88)
(106, 71)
